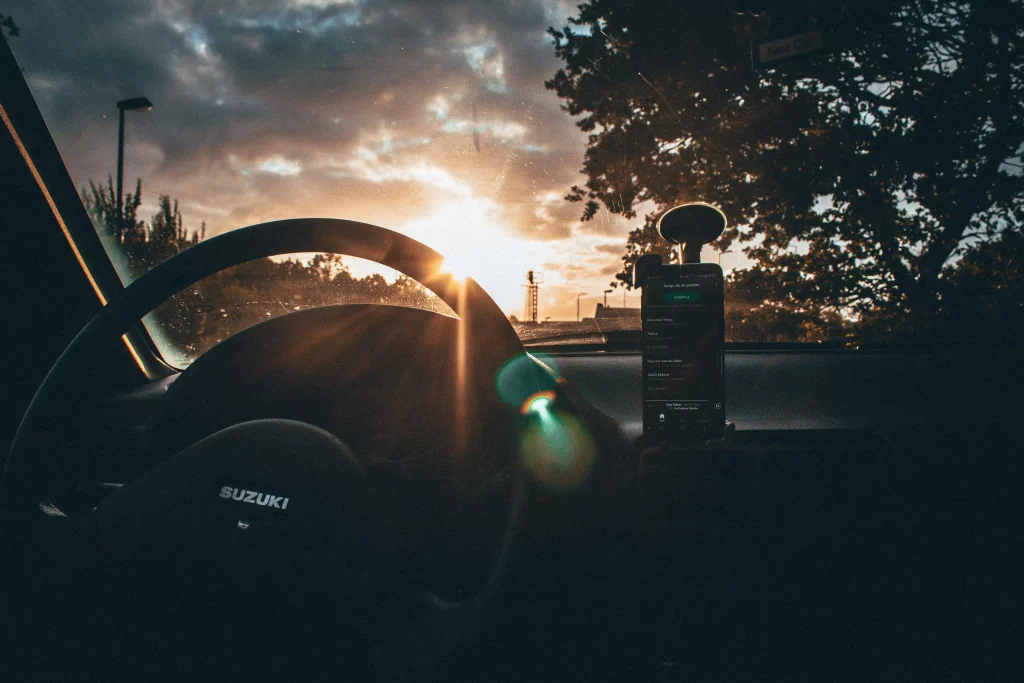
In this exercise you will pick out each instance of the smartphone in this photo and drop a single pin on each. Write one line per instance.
(683, 314)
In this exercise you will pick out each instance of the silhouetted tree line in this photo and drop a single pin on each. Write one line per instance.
(877, 188)
(140, 245)
(217, 307)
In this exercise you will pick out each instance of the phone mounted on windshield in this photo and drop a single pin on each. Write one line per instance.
(683, 321)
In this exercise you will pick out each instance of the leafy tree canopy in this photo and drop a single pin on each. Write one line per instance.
(866, 183)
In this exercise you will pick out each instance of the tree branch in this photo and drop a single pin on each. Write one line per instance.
(860, 95)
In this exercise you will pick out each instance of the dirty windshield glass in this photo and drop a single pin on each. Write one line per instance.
(867, 155)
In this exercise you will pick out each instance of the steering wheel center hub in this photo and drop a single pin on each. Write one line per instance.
(264, 503)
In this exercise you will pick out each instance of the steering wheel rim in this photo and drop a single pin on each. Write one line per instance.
(25, 475)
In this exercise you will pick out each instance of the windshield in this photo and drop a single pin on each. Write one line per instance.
(867, 155)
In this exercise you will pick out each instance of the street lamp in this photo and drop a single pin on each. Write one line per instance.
(131, 104)
(722, 253)
(578, 295)
(606, 293)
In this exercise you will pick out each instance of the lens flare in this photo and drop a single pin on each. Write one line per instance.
(556, 448)
(520, 378)
(462, 349)
(548, 362)
(538, 404)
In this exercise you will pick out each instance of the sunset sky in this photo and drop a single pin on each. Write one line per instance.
(351, 109)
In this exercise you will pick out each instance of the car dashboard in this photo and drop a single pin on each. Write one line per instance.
(833, 534)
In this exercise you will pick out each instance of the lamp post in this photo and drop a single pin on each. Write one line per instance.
(606, 293)
(132, 104)
(578, 295)
(722, 253)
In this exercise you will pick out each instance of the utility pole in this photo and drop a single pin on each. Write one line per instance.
(120, 173)
(133, 104)
(578, 295)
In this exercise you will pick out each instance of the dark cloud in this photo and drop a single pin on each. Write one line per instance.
(360, 108)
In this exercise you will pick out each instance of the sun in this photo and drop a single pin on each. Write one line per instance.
(475, 242)
(453, 267)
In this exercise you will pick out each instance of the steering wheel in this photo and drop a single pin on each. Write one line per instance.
(253, 488)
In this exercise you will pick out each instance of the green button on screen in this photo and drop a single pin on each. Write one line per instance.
(676, 297)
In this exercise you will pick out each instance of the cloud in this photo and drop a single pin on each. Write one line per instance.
(394, 112)
(368, 166)
(278, 165)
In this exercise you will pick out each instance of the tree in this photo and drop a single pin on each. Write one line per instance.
(985, 306)
(142, 246)
(757, 309)
(856, 181)
(7, 22)
(167, 235)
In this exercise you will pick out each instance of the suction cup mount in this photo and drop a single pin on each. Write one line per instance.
(691, 226)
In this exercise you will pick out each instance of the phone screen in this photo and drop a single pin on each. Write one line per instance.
(683, 314)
